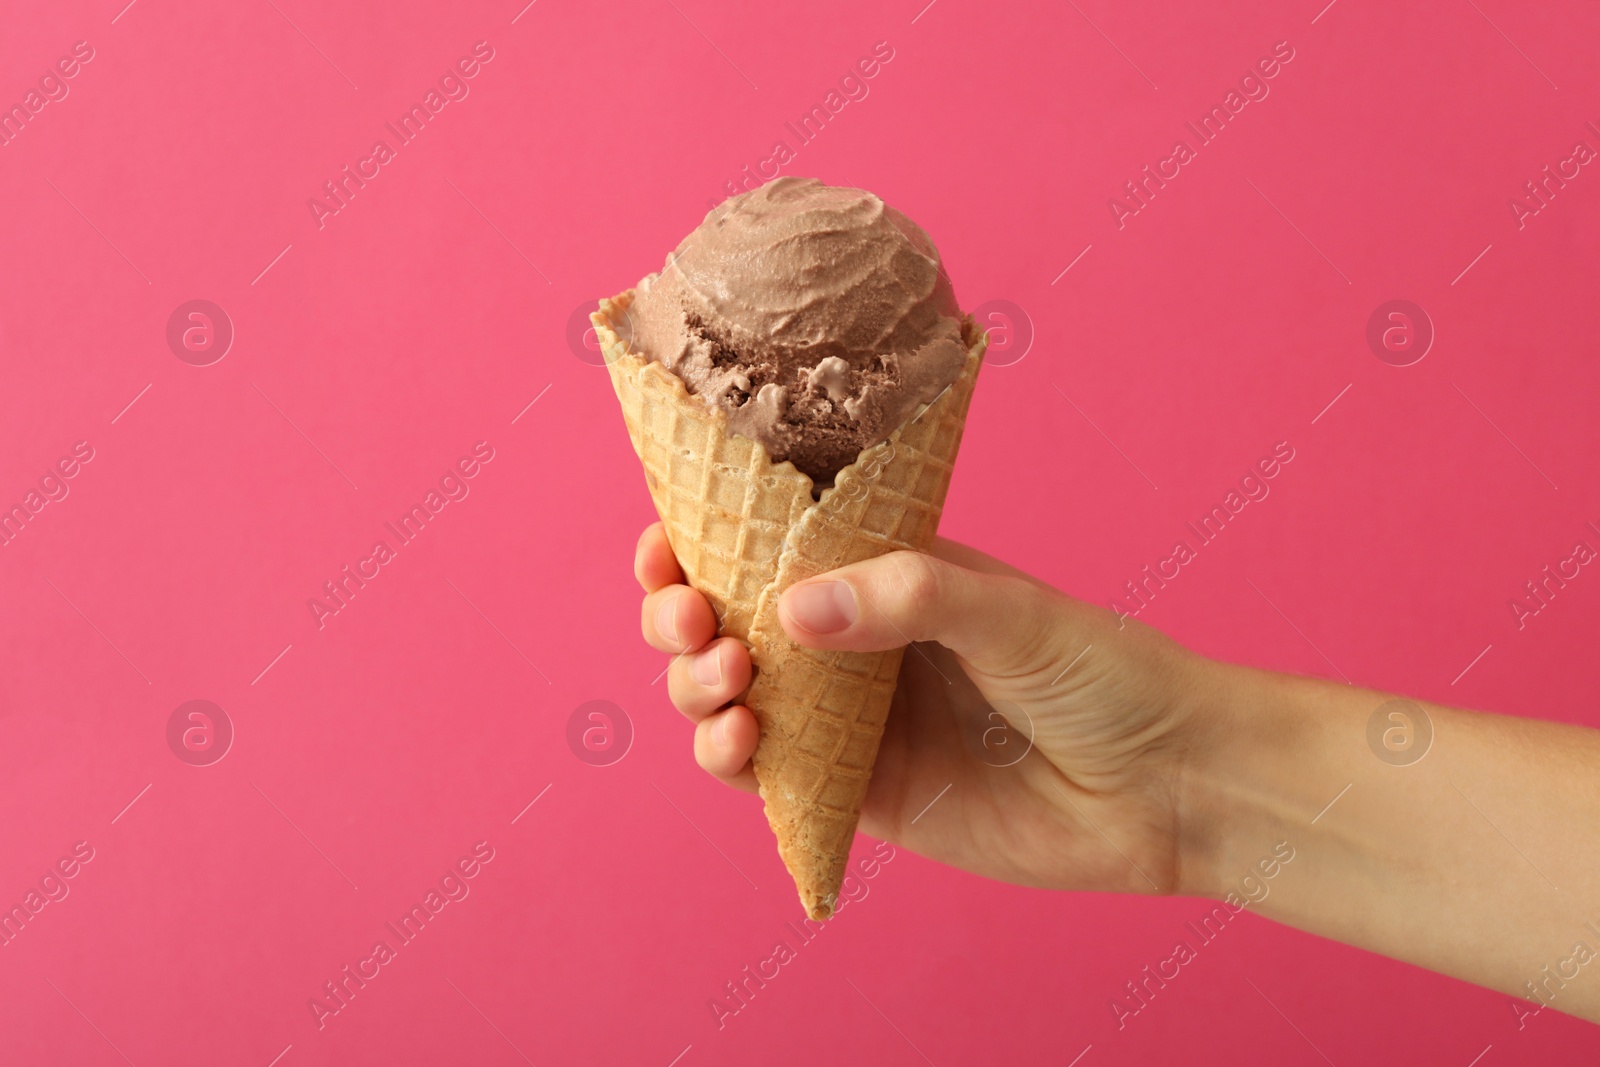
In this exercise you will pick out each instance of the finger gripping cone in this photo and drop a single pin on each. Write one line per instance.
(744, 529)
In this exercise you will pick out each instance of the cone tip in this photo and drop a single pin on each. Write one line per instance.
(819, 909)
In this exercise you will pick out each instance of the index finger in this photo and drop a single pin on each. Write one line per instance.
(654, 564)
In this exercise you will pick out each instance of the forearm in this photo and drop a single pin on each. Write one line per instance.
(1477, 860)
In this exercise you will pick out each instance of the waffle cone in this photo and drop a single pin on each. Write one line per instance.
(745, 529)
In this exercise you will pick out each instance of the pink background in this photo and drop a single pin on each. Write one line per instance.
(373, 352)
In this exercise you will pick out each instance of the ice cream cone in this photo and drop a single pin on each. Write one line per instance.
(744, 529)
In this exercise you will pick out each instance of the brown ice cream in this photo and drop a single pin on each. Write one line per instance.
(817, 317)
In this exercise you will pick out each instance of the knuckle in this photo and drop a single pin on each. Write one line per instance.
(917, 578)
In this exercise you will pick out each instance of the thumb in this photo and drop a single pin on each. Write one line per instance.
(998, 623)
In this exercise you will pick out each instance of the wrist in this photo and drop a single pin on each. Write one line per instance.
(1242, 783)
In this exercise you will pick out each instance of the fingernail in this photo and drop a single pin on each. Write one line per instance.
(706, 667)
(667, 620)
(821, 607)
(719, 731)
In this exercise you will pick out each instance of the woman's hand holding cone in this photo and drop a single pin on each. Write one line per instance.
(1093, 804)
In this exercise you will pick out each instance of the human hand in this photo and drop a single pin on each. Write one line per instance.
(1094, 803)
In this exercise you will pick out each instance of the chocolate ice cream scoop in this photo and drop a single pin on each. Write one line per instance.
(817, 317)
